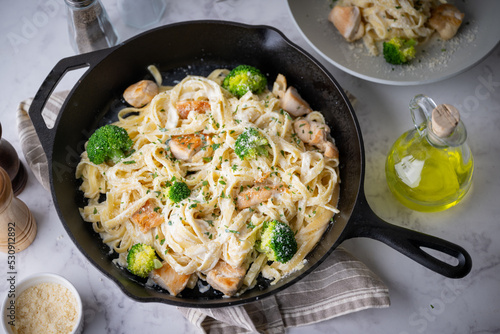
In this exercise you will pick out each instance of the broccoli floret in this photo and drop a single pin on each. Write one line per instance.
(244, 78)
(109, 142)
(277, 241)
(178, 191)
(141, 259)
(250, 143)
(399, 51)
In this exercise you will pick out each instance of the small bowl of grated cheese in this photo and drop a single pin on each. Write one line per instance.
(42, 303)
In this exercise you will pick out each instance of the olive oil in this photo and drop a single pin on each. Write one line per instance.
(426, 172)
(426, 178)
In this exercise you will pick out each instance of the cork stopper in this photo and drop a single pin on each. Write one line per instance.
(445, 119)
(17, 224)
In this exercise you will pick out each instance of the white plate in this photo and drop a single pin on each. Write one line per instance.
(479, 34)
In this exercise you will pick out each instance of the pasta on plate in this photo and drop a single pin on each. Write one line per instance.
(380, 20)
(295, 182)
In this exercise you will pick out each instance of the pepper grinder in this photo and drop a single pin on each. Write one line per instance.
(11, 163)
(89, 26)
(17, 224)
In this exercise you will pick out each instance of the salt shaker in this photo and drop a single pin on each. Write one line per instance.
(89, 27)
(17, 225)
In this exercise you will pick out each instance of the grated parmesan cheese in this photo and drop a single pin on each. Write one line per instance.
(45, 308)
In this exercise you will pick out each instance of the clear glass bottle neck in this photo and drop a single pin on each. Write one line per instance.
(421, 108)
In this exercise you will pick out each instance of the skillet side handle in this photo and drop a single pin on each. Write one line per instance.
(410, 243)
(46, 134)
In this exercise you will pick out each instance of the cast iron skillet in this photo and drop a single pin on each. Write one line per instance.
(198, 47)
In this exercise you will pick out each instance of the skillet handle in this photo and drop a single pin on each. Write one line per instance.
(46, 134)
(409, 242)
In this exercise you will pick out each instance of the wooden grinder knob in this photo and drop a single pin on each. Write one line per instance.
(17, 224)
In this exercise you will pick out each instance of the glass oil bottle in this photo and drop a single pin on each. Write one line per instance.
(430, 167)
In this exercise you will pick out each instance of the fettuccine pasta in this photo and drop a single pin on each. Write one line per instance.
(385, 19)
(209, 226)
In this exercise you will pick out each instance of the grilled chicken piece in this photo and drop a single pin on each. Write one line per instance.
(225, 278)
(316, 134)
(279, 86)
(140, 93)
(329, 150)
(146, 217)
(348, 22)
(185, 146)
(311, 132)
(294, 104)
(253, 196)
(185, 107)
(290, 99)
(446, 19)
(167, 278)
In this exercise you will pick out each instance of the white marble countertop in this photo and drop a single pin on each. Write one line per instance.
(422, 301)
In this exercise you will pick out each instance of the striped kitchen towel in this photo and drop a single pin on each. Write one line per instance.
(340, 285)
(31, 146)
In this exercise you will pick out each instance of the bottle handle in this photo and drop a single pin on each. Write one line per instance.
(421, 107)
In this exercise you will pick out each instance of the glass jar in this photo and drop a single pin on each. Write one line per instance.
(141, 14)
(430, 168)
